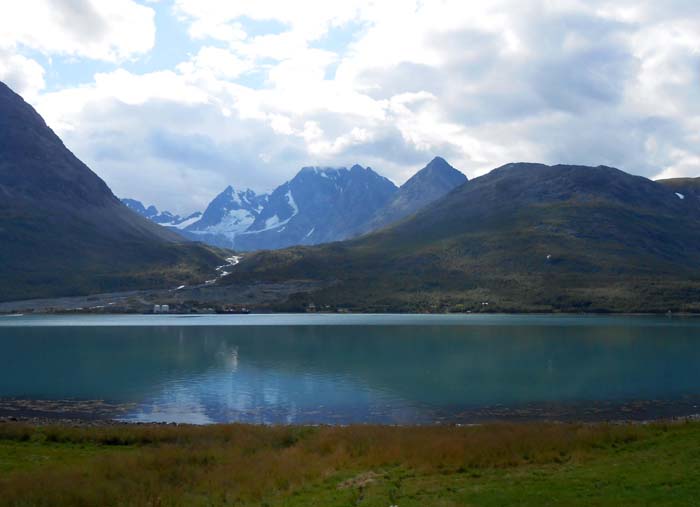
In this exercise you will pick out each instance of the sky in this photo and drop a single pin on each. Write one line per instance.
(170, 101)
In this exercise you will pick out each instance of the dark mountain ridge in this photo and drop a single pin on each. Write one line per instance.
(48, 170)
(62, 230)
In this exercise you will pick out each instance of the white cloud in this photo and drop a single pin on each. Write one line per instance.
(22, 74)
(273, 85)
(65, 110)
(109, 30)
(310, 18)
(218, 62)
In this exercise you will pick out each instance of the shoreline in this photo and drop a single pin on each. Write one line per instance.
(35, 421)
(89, 413)
(29, 313)
(261, 298)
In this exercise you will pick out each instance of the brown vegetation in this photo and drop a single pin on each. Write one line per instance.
(241, 464)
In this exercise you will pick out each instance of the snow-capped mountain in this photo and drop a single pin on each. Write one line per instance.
(164, 218)
(318, 205)
(231, 213)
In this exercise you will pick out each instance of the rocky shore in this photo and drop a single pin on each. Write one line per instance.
(196, 299)
(90, 413)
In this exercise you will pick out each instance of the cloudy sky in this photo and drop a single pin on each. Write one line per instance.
(170, 101)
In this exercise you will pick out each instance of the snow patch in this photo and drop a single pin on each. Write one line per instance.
(234, 196)
(234, 222)
(292, 203)
(680, 196)
(188, 222)
(274, 221)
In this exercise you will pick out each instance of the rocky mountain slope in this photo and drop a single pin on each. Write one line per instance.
(318, 205)
(231, 213)
(431, 183)
(62, 230)
(525, 237)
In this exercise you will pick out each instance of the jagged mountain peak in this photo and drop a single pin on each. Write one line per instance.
(438, 162)
(330, 173)
(229, 214)
(438, 174)
(334, 172)
(434, 181)
(319, 204)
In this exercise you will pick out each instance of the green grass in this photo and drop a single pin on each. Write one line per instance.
(506, 464)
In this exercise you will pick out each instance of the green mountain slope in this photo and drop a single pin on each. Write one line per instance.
(525, 237)
(63, 232)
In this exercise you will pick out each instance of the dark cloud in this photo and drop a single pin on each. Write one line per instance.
(181, 155)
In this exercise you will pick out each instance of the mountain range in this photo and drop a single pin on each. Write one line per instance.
(62, 230)
(524, 237)
(318, 205)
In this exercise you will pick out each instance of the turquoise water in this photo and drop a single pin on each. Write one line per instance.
(357, 368)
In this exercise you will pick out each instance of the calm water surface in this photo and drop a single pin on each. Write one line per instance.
(357, 368)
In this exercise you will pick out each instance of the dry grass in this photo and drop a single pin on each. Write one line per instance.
(241, 464)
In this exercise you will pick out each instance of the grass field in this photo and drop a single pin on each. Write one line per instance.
(239, 465)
